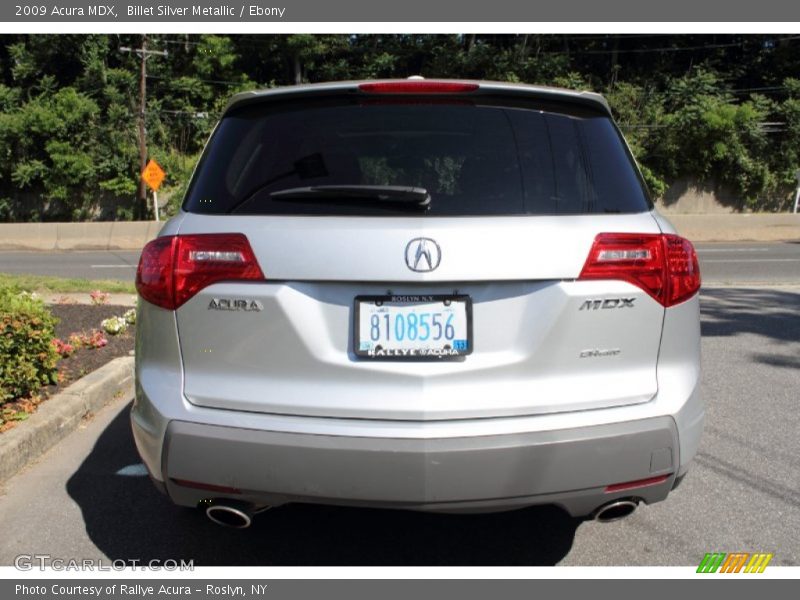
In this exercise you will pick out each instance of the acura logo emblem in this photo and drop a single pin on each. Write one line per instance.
(423, 255)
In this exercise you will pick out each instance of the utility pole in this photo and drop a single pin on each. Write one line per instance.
(797, 191)
(144, 54)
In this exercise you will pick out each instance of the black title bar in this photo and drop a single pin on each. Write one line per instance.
(441, 11)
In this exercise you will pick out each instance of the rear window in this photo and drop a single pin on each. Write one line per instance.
(472, 158)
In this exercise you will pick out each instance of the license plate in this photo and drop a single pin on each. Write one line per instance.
(393, 327)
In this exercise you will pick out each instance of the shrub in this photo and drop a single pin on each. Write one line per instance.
(64, 349)
(114, 325)
(94, 339)
(99, 297)
(27, 355)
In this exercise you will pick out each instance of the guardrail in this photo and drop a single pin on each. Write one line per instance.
(133, 235)
(738, 228)
(107, 235)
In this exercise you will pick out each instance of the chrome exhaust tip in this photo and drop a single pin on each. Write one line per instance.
(231, 513)
(616, 510)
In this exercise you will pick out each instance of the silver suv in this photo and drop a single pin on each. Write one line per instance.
(431, 295)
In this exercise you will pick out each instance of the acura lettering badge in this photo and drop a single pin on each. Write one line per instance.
(423, 255)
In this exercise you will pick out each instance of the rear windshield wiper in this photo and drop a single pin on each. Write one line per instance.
(399, 194)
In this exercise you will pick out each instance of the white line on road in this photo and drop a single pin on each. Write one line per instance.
(704, 250)
(749, 260)
(113, 266)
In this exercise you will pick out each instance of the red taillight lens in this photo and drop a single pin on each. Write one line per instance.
(201, 260)
(172, 269)
(683, 270)
(154, 274)
(417, 87)
(663, 265)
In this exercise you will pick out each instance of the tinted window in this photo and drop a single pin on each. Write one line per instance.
(472, 159)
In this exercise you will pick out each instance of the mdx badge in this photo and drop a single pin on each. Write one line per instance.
(235, 304)
(607, 304)
(423, 255)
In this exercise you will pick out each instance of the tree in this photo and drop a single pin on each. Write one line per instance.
(718, 109)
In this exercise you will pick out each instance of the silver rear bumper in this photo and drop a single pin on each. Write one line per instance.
(568, 467)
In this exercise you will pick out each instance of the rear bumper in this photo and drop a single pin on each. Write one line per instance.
(570, 468)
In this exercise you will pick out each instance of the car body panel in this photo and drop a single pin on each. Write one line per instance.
(533, 333)
(571, 385)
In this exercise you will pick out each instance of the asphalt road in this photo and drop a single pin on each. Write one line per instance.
(89, 498)
(720, 263)
(752, 263)
(112, 264)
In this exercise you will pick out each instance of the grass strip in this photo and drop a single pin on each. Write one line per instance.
(44, 284)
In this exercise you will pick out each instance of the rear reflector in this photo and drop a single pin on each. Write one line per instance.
(172, 269)
(663, 265)
(224, 489)
(417, 87)
(639, 483)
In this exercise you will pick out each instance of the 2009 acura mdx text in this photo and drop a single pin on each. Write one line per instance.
(431, 295)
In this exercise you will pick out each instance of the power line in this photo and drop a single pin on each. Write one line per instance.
(764, 127)
(664, 49)
(576, 51)
(214, 81)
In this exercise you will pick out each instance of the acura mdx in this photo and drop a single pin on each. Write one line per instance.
(446, 296)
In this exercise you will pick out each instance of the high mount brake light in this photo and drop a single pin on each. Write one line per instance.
(663, 265)
(418, 87)
(419, 100)
(172, 269)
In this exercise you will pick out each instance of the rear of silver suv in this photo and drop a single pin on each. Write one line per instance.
(433, 295)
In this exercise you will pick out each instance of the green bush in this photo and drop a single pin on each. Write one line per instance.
(27, 355)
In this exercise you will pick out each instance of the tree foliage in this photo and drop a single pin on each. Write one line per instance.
(723, 110)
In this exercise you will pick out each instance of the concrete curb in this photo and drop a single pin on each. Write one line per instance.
(60, 415)
(85, 299)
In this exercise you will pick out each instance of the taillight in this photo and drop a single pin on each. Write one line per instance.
(417, 87)
(683, 270)
(663, 265)
(154, 273)
(172, 269)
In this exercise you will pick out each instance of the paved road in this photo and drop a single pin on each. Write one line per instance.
(721, 263)
(88, 498)
(112, 264)
(727, 263)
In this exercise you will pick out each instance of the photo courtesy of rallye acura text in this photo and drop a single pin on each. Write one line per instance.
(446, 296)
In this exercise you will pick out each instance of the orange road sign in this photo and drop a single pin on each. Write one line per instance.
(153, 175)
